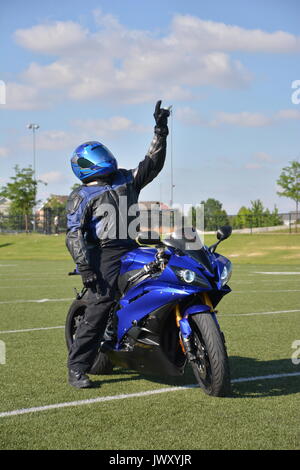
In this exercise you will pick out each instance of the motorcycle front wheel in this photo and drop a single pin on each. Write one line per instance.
(211, 365)
(101, 364)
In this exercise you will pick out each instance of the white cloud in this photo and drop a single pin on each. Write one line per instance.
(116, 63)
(53, 177)
(24, 97)
(53, 75)
(108, 127)
(249, 119)
(3, 152)
(191, 116)
(260, 160)
(242, 119)
(52, 38)
(288, 114)
(253, 166)
(81, 130)
(263, 156)
(203, 35)
(53, 140)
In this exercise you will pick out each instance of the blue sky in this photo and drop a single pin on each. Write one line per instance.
(94, 70)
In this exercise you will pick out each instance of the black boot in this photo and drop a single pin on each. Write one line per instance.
(79, 379)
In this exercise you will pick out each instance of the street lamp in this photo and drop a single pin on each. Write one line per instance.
(171, 160)
(33, 127)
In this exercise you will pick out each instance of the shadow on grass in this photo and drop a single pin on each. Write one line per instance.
(241, 367)
(247, 367)
(3, 245)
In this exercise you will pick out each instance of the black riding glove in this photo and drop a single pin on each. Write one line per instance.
(161, 118)
(89, 278)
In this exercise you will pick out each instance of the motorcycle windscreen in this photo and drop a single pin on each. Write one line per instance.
(188, 240)
(184, 239)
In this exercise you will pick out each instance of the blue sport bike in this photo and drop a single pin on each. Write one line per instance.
(164, 314)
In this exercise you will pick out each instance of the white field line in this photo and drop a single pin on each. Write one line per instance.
(33, 275)
(278, 273)
(39, 301)
(264, 281)
(8, 265)
(54, 277)
(92, 401)
(30, 286)
(256, 313)
(262, 291)
(26, 330)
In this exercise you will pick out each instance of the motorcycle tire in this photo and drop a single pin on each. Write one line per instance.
(102, 364)
(211, 367)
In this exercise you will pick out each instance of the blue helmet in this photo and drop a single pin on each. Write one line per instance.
(91, 160)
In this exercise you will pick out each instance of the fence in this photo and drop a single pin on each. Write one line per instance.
(252, 223)
(54, 222)
(50, 222)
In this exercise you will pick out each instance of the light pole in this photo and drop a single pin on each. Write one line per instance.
(171, 159)
(33, 127)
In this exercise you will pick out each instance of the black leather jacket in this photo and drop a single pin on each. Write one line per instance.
(101, 213)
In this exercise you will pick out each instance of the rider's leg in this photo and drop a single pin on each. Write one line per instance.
(88, 335)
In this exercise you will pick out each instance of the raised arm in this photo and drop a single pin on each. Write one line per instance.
(154, 160)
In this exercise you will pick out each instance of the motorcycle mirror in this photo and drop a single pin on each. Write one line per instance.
(224, 232)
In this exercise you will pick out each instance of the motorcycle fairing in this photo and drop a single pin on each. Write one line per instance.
(135, 305)
(152, 345)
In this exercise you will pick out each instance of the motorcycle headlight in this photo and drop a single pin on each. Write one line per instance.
(187, 275)
(226, 274)
(190, 277)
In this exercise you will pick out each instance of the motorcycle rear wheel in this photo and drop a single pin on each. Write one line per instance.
(102, 364)
(211, 367)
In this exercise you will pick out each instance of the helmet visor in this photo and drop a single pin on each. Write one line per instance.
(95, 157)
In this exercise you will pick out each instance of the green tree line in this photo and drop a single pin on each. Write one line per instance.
(254, 216)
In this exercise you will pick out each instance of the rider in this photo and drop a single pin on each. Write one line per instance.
(95, 233)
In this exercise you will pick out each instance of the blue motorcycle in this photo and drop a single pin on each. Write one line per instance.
(164, 316)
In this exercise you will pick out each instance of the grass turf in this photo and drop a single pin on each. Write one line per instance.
(265, 248)
(262, 414)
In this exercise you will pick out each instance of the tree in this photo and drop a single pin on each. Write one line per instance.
(289, 180)
(56, 204)
(55, 208)
(257, 213)
(75, 186)
(272, 218)
(256, 216)
(243, 218)
(214, 215)
(22, 193)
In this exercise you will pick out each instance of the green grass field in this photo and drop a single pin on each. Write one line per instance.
(260, 320)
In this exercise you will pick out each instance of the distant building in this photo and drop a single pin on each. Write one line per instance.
(290, 218)
(53, 198)
(157, 216)
(54, 206)
(4, 205)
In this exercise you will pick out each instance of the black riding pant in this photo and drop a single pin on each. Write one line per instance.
(106, 262)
